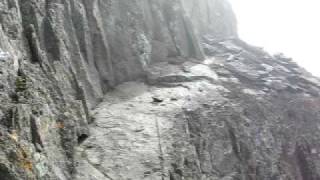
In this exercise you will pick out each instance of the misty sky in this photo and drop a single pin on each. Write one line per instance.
(288, 26)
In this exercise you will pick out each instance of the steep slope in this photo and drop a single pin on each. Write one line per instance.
(242, 114)
(184, 98)
(58, 58)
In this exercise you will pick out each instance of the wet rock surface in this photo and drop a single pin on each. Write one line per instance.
(148, 89)
(221, 118)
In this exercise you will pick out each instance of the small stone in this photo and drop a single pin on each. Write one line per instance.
(139, 130)
(157, 100)
(174, 99)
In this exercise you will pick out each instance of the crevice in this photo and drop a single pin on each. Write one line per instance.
(166, 8)
(31, 40)
(101, 52)
(9, 120)
(80, 95)
(82, 138)
(191, 46)
(35, 50)
(171, 176)
(68, 140)
(51, 41)
(36, 137)
(234, 142)
(194, 129)
(79, 25)
(161, 156)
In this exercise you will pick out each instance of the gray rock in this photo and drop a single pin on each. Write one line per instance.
(78, 80)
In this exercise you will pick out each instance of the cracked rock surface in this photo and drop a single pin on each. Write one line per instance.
(228, 117)
(148, 89)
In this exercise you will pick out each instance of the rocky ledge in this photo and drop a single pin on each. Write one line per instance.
(240, 114)
(147, 90)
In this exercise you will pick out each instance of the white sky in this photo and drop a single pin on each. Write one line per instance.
(288, 26)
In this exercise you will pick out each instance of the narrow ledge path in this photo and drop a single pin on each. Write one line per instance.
(137, 124)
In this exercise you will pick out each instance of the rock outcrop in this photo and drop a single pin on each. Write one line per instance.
(241, 114)
(148, 89)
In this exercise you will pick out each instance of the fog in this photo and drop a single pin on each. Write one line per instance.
(288, 26)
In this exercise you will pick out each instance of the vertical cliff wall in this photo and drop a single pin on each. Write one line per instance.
(183, 97)
(58, 58)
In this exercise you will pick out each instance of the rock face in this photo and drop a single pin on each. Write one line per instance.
(148, 89)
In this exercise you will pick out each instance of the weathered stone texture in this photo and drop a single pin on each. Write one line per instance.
(183, 97)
